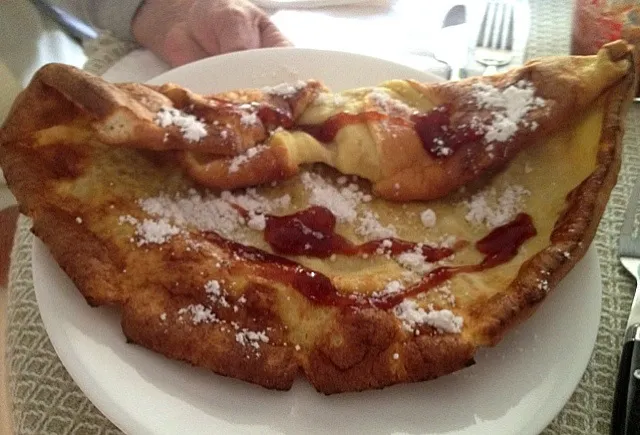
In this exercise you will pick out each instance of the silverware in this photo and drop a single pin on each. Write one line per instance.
(494, 47)
(625, 419)
(453, 40)
(72, 26)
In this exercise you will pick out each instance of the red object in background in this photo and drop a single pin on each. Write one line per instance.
(596, 22)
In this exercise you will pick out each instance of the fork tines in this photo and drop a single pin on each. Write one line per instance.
(496, 30)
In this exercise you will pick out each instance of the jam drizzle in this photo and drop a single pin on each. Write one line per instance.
(313, 285)
(499, 246)
(312, 232)
(438, 137)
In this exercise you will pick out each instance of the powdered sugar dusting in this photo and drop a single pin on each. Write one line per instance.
(202, 213)
(251, 338)
(509, 108)
(370, 226)
(412, 316)
(241, 159)
(487, 208)
(444, 291)
(170, 214)
(391, 288)
(191, 128)
(343, 202)
(198, 313)
(253, 202)
(285, 89)
(388, 104)
(257, 221)
(428, 218)
(415, 262)
(249, 118)
(216, 293)
(543, 285)
(149, 231)
(212, 287)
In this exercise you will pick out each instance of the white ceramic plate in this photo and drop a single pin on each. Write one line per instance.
(515, 388)
(305, 4)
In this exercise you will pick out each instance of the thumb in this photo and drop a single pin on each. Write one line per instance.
(270, 35)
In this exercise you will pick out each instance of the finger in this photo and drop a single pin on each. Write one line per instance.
(180, 48)
(229, 30)
(270, 35)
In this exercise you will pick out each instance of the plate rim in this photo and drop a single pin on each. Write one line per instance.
(297, 51)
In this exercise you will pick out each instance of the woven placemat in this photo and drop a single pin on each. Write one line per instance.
(47, 401)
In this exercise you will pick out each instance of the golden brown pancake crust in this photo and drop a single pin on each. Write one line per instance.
(76, 185)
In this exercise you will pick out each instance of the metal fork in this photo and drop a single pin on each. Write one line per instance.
(494, 47)
(625, 419)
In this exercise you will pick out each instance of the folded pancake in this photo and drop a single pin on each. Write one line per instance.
(324, 271)
(413, 141)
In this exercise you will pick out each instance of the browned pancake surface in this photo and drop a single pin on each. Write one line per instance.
(122, 207)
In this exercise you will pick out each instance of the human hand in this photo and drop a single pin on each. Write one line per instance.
(181, 31)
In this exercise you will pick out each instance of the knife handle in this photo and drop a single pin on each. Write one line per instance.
(625, 419)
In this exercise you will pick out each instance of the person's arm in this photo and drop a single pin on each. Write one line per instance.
(112, 15)
(181, 31)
